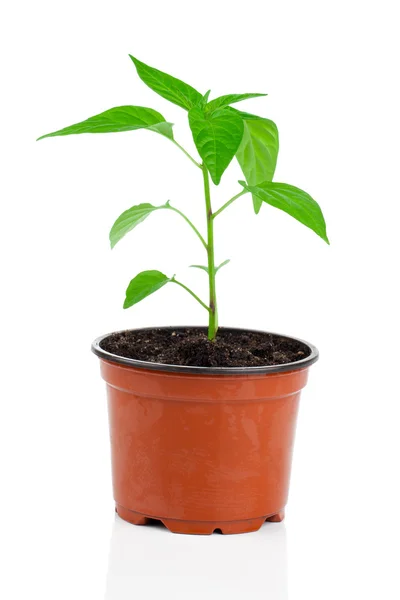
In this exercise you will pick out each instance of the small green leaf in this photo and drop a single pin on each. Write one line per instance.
(293, 201)
(129, 219)
(258, 151)
(168, 87)
(222, 264)
(144, 284)
(223, 101)
(204, 268)
(217, 137)
(199, 267)
(205, 98)
(121, 118)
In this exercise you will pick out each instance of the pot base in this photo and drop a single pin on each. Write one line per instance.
(199, 527)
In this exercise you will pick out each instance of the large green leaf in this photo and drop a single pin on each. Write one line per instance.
(223, 101)
(144, 284)
(168, 87)
(293, 201)
(217, 137)
(258, 151)
(121, 118)
(244, 114)
(130, 218)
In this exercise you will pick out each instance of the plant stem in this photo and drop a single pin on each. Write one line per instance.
(187, 153)
(189, 222)
(213, 313)
(195, 296)
(217, 212)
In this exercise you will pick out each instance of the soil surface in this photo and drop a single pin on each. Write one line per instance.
(190, 347)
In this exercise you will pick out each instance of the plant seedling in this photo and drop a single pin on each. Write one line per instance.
(220, 133)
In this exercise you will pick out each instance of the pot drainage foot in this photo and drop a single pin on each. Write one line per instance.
(131, 516)
(276, 518)
(199, 527)
(209, 527)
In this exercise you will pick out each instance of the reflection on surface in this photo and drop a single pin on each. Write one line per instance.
(147, 561)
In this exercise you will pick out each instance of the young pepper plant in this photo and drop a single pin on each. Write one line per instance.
(220, 133)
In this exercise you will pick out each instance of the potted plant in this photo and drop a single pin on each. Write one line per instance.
(202, 419)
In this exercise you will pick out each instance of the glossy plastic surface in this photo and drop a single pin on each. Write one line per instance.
(200, 452)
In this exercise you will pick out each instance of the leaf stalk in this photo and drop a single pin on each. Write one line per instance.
(187, 154)
(217, 212)
(195, 296)
(189, 222)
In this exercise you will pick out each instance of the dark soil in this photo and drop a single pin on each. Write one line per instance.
(190, 347)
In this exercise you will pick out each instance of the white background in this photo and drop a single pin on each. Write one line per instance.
(331, 72)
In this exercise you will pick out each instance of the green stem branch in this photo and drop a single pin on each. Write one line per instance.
(217, 212)
(189, 222)
(195, 296)
(187, 154)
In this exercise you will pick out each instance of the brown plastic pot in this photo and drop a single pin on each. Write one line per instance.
(202, 449)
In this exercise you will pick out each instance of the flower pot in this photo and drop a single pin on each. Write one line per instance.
(202, 449)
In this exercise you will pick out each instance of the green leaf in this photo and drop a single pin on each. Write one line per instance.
(121, 118)
(129, 219)
(168, 87)
(243, 114)
(258, 151)
(222, 264)
(223, 101)
(163, 128)
(204, 268)
(144, 284)
(293, 201)
(205, 98)
(217, 137)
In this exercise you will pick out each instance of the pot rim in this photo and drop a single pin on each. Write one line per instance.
(184, 369)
